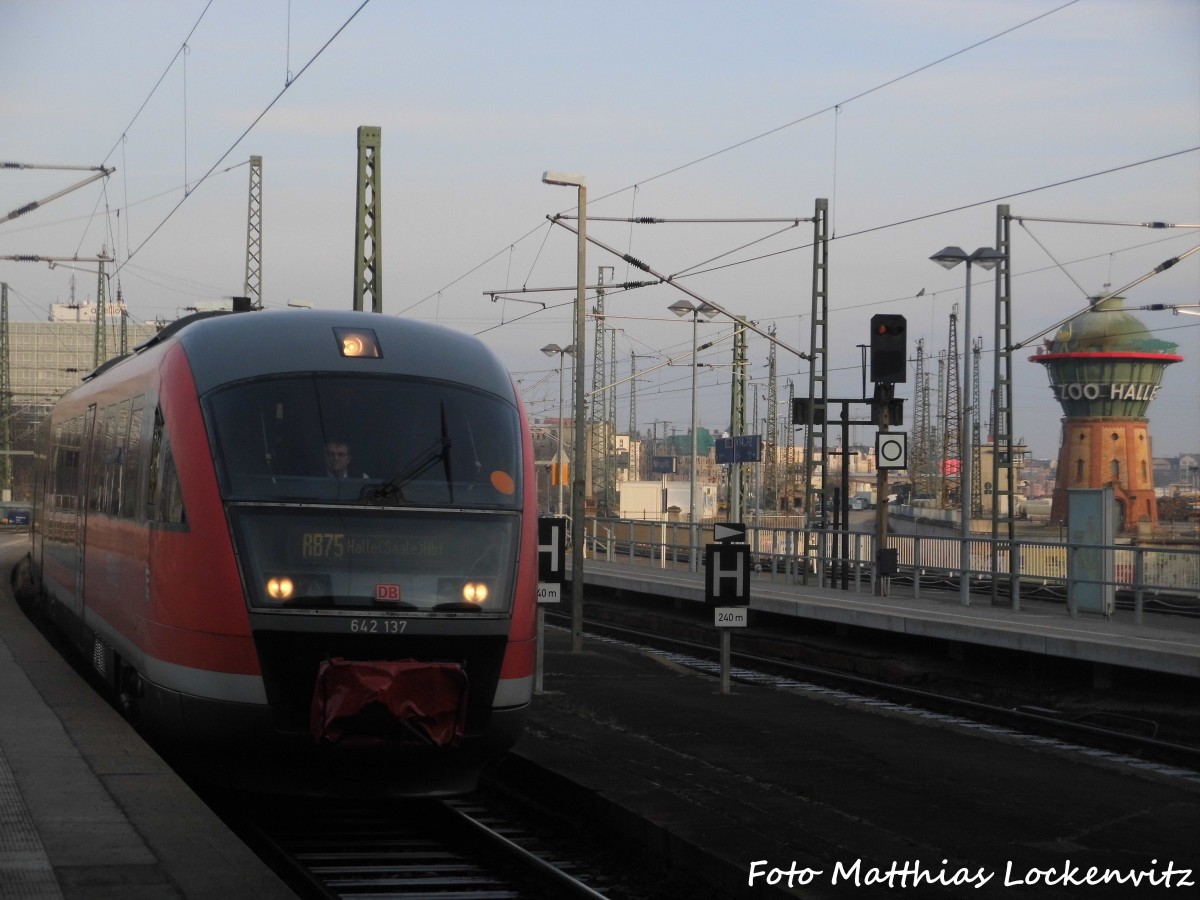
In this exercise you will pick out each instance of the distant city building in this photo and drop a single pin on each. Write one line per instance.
(81, 312)
(50, 358)
(1104, 369)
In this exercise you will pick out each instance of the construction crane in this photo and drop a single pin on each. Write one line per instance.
(101, 172)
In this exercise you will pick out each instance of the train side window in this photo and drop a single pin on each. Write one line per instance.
(108, 458)
(164, 499)
(171, 507)
(64, 475)
(156, 440)
(95, 483)
(116, 458)
(131, 480)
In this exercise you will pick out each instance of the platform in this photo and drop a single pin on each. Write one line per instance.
(87, 810)
(1161, 643)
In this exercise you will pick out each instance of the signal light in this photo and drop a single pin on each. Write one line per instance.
(889, 358)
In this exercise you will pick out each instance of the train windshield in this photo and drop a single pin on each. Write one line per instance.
(372, 441)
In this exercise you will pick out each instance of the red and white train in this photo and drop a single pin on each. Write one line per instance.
(302, 544)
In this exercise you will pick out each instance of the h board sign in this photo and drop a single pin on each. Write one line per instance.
(552, 554)
(727, 574)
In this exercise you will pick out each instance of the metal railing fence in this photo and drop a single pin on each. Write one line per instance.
(1170, 576)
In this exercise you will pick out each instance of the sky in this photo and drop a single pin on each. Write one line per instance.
(913, 120)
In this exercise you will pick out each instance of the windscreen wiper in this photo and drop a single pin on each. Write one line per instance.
(392, 490)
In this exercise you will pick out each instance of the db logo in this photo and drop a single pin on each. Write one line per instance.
(387, 593)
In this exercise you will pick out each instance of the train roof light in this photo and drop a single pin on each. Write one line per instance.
(358, 342)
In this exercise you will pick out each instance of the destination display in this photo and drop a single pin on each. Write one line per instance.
(336, 545)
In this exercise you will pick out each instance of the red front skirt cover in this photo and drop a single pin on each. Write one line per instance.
(389, 702)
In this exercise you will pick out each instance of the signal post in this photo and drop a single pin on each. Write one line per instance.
(889, 367)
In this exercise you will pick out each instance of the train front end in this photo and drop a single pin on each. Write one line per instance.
(376, 479)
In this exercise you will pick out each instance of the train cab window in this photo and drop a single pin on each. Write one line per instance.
(397, 441)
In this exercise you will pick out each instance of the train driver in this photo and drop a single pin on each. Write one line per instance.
(337, 460)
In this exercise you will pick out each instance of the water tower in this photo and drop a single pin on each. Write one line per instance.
(1104, 369)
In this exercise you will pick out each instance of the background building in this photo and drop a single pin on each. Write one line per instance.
(47, 359)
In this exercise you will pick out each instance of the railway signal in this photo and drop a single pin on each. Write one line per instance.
(889, 359)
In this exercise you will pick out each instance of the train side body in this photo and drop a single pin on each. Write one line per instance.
(190, 538)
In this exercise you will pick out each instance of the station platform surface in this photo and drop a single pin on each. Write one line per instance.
(1162, 642)
(88, 811)
(841, 796)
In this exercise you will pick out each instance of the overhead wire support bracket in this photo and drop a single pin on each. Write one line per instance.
(623, 285)
(666, 279)
(54, 260)
(101, 172)
(1024, 219)
(653, 220)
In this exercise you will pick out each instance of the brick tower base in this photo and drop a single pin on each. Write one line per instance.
(1097, 452)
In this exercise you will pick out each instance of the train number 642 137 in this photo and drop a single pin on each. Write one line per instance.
(378, 626)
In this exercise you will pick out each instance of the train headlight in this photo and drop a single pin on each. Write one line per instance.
(475, 592)
(280, 588)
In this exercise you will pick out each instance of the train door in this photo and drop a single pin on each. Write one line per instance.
(41, 506)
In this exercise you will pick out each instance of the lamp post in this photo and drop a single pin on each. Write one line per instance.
(682, 308)
(555, 350)
(948, 258)
(577, 478)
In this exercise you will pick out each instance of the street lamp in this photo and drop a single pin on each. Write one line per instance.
(577, 478)
(682, 308)
(948, 258)
(555, 350)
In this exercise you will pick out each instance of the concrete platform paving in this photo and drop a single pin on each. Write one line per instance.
(88, 811)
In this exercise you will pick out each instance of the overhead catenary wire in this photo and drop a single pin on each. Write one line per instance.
(636, 186)
(1160, 268)
(833, 107)
(157, 84)
(956, 209)
(1054, 260)
(242, 136)
(666, 279)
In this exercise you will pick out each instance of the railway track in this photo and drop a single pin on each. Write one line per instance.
(456, 849)
(1131, 738)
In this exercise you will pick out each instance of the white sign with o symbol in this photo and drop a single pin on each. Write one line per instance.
(891, 450)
